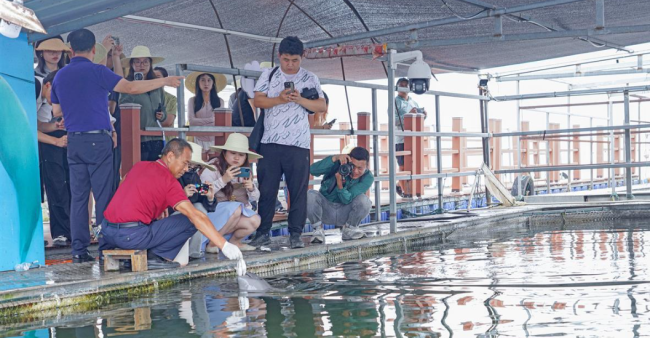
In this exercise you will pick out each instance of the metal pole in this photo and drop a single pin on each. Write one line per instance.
(391, 143)
(569, 151)
(638, 140)
(591, 154)
(375, 155)
(486, 141)
(519, 186)
(439, 155)
(612, 146)
(180, 102)
(548, 156)
(628, 147)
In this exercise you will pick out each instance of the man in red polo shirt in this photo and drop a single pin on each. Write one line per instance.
(135, 219)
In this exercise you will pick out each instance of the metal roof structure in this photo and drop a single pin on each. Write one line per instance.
(454, 35)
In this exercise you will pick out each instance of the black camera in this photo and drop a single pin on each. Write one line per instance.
(309, 94)
(202, 188)
(138, 76)
(346, 169)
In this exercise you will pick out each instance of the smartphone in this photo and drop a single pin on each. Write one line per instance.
(244, 172)
(116, 39)
(331, 123)
(289, 85)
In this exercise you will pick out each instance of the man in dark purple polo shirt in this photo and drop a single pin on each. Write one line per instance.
(80, 95)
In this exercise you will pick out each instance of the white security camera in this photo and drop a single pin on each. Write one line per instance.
(419, 75)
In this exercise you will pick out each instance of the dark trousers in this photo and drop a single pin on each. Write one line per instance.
(150, 150)
(117, 163)
(55, 174)
(293, 162)
(90, 157)
(400, 159)
(164, 238)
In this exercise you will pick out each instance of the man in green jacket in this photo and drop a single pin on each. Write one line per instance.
(342, 199)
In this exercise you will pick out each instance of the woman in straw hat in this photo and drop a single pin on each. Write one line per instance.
(51, 55)
(205, 87)
(140, 67)
(234, 216)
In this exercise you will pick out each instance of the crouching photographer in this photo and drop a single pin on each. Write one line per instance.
(342, 199)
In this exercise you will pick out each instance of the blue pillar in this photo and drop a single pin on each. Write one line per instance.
(21, 222)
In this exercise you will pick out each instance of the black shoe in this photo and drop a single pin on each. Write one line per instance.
(296, 241)
(155, 262)
(83, 258)
(260, 240)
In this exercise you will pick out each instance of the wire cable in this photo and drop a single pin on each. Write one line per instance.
(461, 16)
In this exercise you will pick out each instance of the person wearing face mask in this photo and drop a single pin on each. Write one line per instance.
(51, 55)
(152, 103)
(205, 87)
(404, 104)
(234, 217)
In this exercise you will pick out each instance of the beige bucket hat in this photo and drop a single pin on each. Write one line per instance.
(54, 44)
(141, 52)
(238, 143)
(100, 53)
(219, 79)
(197, 150)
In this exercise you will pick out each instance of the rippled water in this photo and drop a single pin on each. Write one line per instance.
(587, 283)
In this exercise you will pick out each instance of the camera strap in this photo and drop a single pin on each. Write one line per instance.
(399, 117)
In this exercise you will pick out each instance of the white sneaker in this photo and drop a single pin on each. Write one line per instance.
(350, 232)
(60, 241)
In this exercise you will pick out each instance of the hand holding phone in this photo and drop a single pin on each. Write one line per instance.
(244, 172)
(289, 85)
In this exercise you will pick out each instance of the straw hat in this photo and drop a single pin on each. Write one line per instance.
(266, 64)
(100, 53)
(238, 143)
(197, 150)
(190, 81)
(141, 52)
(54, 44)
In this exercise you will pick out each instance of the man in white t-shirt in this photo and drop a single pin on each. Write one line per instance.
(286, 139)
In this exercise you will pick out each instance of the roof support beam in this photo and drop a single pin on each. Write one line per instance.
(203, 28)
(600, 14)
(433, 23)
(550, 27)
(129, 8)
(569, 75)
(521, 37)
(572, 93)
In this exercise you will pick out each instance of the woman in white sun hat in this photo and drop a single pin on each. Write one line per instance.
(205, 87)
(234, 217)
(140, 67)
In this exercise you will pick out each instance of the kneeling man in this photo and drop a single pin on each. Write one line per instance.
(136, 218)
(342, 199)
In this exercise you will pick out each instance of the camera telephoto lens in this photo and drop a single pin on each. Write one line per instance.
(345, 169)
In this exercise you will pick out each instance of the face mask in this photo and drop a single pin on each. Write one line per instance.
(403, 89)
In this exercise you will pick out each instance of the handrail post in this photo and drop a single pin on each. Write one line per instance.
(130, 124)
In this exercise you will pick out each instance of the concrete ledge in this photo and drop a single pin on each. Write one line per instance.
(53, 298)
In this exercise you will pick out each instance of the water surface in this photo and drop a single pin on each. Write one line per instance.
(587, 283)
